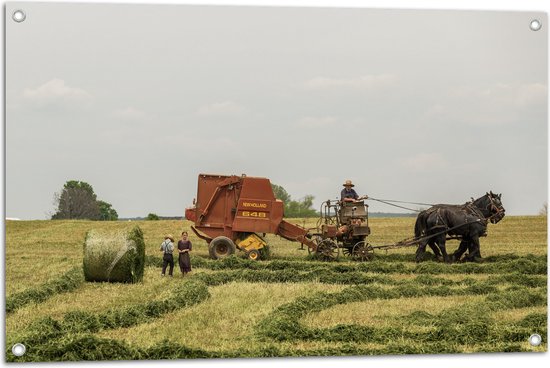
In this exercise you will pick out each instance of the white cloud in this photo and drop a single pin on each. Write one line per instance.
(424, 162)
(360, 82)
(519, 95)
(317, 122)
(531, 94)
(56, 93)
(221, 108)
(435, 111)
(496, 104)
(311, 185)
(129, 113)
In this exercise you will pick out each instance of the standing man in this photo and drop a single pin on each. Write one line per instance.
(167, 247)
(349, 194)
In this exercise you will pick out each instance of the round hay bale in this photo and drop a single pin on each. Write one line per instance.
(114, 256)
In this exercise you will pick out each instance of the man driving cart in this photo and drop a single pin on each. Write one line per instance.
(348, 194)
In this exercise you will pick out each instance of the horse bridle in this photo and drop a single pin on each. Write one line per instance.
(494, 209)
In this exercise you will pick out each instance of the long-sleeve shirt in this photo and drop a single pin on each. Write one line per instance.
(351, 193)
(167, 246)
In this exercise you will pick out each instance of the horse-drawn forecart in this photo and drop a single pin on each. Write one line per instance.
(235, 212)
(344, 225)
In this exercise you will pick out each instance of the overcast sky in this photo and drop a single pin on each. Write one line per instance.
(137, 100)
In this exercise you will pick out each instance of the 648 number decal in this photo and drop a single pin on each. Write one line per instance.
(254, 214)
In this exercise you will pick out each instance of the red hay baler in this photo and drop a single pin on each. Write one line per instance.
(231, 211)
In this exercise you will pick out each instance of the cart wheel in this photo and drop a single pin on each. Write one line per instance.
(221, 247)
(317, 239)
(253, 255)
(328, 250)
(362, 252)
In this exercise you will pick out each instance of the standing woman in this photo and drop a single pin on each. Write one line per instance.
(184, 247)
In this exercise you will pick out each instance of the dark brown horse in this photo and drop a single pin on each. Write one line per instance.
(466, 222)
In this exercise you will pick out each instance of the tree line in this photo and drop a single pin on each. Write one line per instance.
(78, 201)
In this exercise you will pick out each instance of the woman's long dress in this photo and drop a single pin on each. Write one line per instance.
(184, 260)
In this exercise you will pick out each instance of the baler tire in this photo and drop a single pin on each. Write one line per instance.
(253, 255)
(221, 247)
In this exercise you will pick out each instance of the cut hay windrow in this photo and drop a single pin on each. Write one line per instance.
(464, 324)
(411, 257)
(531, 281)
(86, 347)
(169, 350)
(289, 276)
(511, 256)
(518, 333)
(347, 349)
(472, 323)
(184, 295)
(114, 256)
(70, 339)
(439, 284)
(527, 265)
(40, 333)
(66, 283)
(501, 347)
(520, 298)
(79, 347)
(283, 323)
(534, 321)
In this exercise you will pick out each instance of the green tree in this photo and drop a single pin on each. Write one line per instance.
(280, 193)
(75, 184)
(107, 212)
(301, 208)
(153, 217)
(77, 200)
(306, 207)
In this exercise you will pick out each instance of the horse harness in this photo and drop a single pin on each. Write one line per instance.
(440, 218)
(469, 210)
(479, 216)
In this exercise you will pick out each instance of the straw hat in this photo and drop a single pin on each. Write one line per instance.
(169, 236)
(348, 182)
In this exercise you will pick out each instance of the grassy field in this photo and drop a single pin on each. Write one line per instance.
(287, 306)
